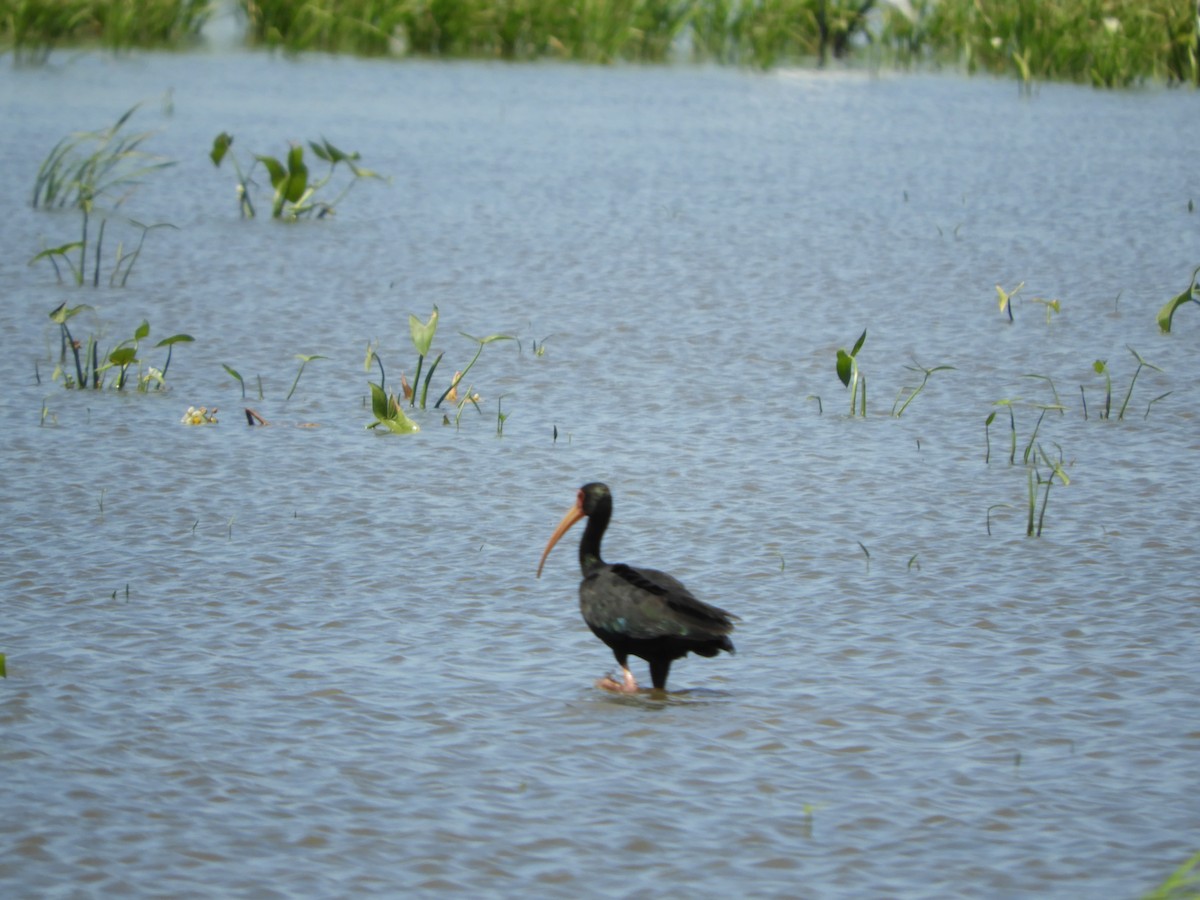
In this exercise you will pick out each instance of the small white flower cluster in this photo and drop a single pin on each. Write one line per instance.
(201, 416)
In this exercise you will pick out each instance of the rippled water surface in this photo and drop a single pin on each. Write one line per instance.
(314, 661)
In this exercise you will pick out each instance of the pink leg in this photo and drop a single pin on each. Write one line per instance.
(627, 685)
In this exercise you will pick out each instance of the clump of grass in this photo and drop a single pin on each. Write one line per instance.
(733, 31)
(295, 192)
(1115, 44)
(95, 172)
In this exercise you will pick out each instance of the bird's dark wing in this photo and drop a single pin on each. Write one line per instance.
(647, 603)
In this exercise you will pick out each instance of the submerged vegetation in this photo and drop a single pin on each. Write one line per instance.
(1108, 43)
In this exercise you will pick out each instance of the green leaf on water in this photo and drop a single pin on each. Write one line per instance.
(845, 365)
(1167, 313)
(143, 331)
(297, 174)
(3, 670)
(123, 356)
(275, 170)
(221, 144)
(176, 339)
(859, 343)
(422, 332)
(388, 413)
(64, 312)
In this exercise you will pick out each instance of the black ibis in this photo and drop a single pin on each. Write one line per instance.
(635, 611)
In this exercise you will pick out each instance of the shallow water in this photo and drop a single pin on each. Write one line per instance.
(314, 661)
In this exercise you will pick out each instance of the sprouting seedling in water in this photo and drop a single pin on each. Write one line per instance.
(1142, 364)
(422, 339)
(1101, 367)
(458, 376)
(236, 377)
(847, 370)
(1056, 470)
(916, 367)
(1012, 424)
(304, 361)
(1006, 298)
(501, 416)
(1191, 294)
(1052, 306)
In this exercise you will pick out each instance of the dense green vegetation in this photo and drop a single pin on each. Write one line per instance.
(31, 28)
(1109, 43)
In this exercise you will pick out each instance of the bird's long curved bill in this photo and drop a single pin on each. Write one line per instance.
(574, 514)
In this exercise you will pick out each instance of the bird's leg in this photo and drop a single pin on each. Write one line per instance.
(627, 685)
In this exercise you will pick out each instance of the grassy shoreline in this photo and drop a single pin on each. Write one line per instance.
(1107, 43)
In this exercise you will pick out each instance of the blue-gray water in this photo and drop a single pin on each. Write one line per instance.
(314, 661)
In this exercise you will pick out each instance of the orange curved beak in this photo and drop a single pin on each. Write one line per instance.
(574, 514)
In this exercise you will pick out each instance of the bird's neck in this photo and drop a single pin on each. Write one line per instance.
(589, 547)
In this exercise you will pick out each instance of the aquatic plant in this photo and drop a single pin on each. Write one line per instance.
(1006, 298)
(304, 361)
(1182, 884)
(200, 416)
(848, 373)
(388, 413)
(1056, 470)
(1051, 306)
(501, 416)
(458, 376)
(421, 334)
(296, 192)
(1142, 364)
(33, 27)
(1101, 368)
(916, 367)
(1012, 426)
(1191, 294)
(95, 172)
(1114, 44)
(236, 377)
(121, 357)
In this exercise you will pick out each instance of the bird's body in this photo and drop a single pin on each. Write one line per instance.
(637, 612)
